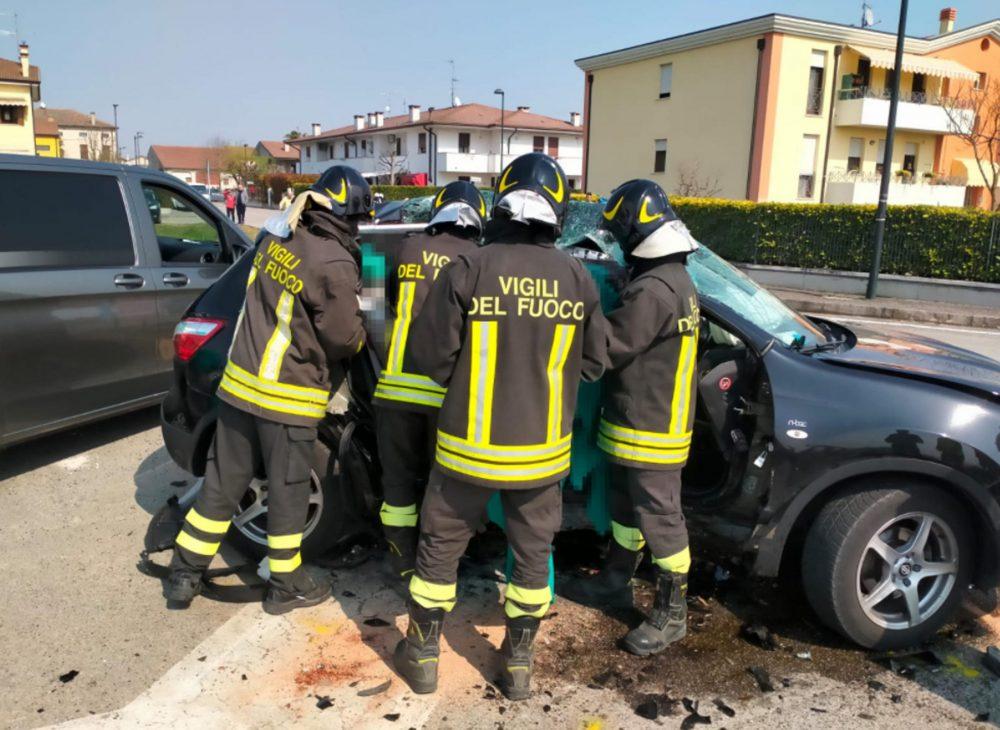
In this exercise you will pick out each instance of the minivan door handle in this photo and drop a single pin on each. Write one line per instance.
(129, 281)
(175, 279)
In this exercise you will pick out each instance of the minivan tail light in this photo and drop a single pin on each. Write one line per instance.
(191, 333)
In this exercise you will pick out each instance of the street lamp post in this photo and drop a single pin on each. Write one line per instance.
(503, 99)
(135, 139)
(117, 148)
(890, 133)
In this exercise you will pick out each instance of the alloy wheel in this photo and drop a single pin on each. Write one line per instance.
(251, 514)
(907, 570)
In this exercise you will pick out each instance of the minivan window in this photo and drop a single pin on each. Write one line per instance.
(184, 232)
(62, 220)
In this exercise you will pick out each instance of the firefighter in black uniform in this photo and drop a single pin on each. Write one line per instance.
(407, 403)
(509, 329)
(300, 321)
(648, 414)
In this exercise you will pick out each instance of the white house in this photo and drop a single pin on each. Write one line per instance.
(438, 146)
(82, 136)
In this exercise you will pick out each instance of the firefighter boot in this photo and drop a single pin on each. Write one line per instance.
(416, 655)
(402, 557)
(518, 654)
(612, 587)
(667, 622)
(181, 586)
(301, 592)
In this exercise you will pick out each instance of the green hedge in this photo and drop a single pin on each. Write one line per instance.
(390, 192)
(945, 243)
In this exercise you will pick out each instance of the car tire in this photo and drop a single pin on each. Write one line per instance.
(864, 574)
(335, 520)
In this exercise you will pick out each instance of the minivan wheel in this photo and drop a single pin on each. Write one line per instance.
(887, 565)
(326, 524)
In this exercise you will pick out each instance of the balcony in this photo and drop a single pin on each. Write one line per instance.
(864, 189)
(468, 162)
(917, 112)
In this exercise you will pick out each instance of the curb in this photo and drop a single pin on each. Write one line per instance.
(888, 309)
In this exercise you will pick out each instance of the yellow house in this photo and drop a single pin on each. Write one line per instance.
(781, 108)
(20, 86)
(48, 142)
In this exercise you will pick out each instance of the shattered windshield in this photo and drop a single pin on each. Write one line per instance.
(713, 277)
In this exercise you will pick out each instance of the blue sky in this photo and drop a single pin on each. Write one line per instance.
(184, 71)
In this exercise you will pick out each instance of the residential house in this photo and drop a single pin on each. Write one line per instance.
(439, 146)
(192, 164)
(283, 156)
(48, 142)
(20, 87)
(782, 108)
(81, 136)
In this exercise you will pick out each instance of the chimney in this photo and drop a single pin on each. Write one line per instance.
(575, 119)
(316, 128)
(414, 112)
(379, 119)
(524, 108)
(93, 119)
(359, 122)
(947, 17)
(371, 119)
(284, 147)
(25, 66)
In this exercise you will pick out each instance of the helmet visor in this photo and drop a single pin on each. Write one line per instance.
(670, 238)
(525, 206)
(461, 214)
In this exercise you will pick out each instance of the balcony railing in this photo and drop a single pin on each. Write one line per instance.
(911, 97)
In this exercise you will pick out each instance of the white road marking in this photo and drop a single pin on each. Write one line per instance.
(895, 323)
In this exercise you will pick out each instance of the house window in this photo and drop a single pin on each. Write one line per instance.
(553, 147)
(807, 165)
(660, 155)
(572, 183)
(981, 81)
(879, 167)
(309, 151)
(538, 144)
(890, 79)
(422, 143)
(910, 158)
(919, 90)
(666, 80)
(399, 145)
(10, 114)
(464, 141)
(84, 152)
(864, 71)
(814, 96)
(347, 150)
(855, 153)
(465, 178)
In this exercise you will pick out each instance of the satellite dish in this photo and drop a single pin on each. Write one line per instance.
(41, 105)
(455, 101)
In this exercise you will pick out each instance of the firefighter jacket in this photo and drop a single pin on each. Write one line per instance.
(300, 321)
(649, 397)
(417, 263)
(509, 329)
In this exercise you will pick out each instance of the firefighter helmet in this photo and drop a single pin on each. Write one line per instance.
(461, 203)
(639, 216)
(348, 192)
(533, 187)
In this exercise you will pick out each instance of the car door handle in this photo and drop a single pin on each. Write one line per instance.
(129, 281)
(175, 279)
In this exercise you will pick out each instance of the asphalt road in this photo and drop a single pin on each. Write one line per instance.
(75, 507)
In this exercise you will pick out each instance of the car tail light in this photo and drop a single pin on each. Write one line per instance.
(191, 333)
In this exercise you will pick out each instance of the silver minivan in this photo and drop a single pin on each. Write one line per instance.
(98, 262)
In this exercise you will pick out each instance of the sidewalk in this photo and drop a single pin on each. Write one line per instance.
(255, 216)
(909, 310)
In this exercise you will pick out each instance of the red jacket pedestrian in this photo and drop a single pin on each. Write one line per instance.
(230, 198)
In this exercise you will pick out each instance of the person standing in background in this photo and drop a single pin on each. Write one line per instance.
(241, 204)
(230, 198)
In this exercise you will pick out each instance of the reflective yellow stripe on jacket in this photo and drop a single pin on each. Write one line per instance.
(272, 395)
(659, 447)
(475, 455)
(394, 384)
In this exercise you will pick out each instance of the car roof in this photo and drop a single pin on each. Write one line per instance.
(60, 163)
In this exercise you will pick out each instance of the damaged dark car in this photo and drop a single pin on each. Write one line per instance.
(866, 464)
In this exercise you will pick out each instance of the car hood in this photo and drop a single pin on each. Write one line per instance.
(921, 357)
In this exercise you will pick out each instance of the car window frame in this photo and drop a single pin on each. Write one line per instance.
(196, 202)
(130, 223)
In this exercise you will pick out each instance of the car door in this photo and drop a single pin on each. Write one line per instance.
(77, 304)
(187, 243)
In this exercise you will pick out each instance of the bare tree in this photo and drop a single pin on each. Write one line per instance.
(244, 164)
(99, 145)
(974, 117)
(692, 184)
(393, 162)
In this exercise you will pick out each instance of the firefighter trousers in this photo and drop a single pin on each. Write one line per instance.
(243, 444)
(646, 508)
(451, 512)
(406, 443)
